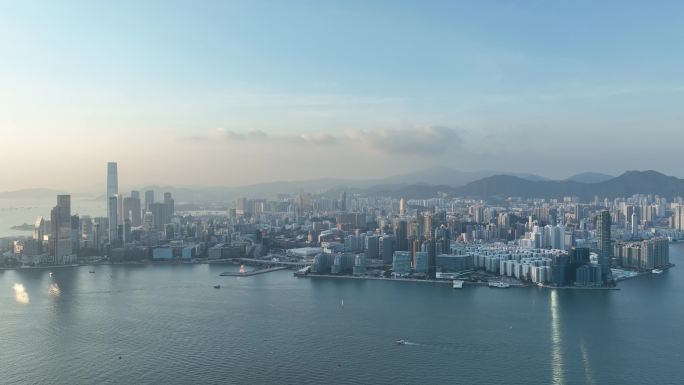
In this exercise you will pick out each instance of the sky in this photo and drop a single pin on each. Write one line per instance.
(228, 93)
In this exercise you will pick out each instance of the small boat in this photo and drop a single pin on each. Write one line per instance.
(50, 274)
(656, 271)
(342, 304)
(92, 272)
(457, 284)
(499, 285)
(402, 342)
(217, 286)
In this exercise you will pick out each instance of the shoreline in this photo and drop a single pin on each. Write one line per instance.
(437, 281)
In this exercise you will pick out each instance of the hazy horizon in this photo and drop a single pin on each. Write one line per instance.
(233, 94)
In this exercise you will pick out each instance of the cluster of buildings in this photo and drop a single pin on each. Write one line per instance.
(561, 242)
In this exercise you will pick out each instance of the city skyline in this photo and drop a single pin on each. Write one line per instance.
(178, 89)
(343, 192)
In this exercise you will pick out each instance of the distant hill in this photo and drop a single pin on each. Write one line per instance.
(629, 183)
(417, 184)
(590, 177)
(444, 176)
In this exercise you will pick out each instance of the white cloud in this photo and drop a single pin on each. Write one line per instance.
(423, 141)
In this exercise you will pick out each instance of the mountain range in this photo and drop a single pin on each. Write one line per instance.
(627, 184)
(430, 183)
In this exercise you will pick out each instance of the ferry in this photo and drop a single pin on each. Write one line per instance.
(499, 285)
(656, 271)
(457, 284)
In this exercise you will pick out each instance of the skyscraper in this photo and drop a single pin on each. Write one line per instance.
(402, 206)
(401, 235)
(604, 248)
(170, 204)
(60, 230)
(112, 218)
(132, 209)
(113, 200)
(149, 199)
(112, 180)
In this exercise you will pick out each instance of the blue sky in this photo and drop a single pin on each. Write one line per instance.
(531, 86)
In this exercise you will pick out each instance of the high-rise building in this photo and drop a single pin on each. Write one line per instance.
(372, 247)
(421, 264)
(132, 209)
(39, 229)
(635, 225)
(402, 207)
(343, 201)
(60, 230)
(112, 179)
(149, 199)
(242, 208)
(387, 248)
(113, 200)
(170, 205)
(604, 248)
(678, 217)
(159, 215)
(113, 218)
(401, 262)
(401, 235)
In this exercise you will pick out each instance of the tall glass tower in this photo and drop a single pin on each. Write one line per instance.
(603, 223)
(112, 201)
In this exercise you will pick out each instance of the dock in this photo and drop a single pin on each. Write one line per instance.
(251, 273)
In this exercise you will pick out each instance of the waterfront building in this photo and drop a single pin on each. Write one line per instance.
(113, 205)
(645, 255)
(454, 263)
(39, 229)
(386, 245)
(421, 263)
(603, 224)
(60, 231)
(359, 265)
(589, 275)
(372, 246)
(401, 263)
(113, 219)
(343, 263)
(401, 235)
(322, 263)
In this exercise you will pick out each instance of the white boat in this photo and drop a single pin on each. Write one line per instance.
(656, 271)
(457, 284)
(499, 285)
(402, 342)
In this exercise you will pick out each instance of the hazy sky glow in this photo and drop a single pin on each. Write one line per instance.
(230, 93)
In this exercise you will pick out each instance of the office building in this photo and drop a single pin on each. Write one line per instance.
(113, 219)
(372, 246)
(604, 248)
(60, 230)
(113, 209)
(401, 263)
(149, 199)
(170, 205)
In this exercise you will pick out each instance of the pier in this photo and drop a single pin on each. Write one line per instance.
(251, 273)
